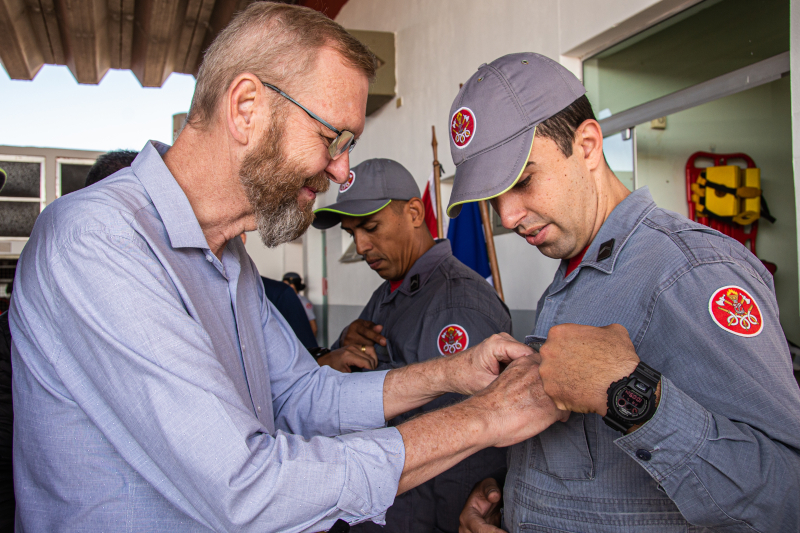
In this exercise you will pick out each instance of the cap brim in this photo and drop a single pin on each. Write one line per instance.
(492, 173)
(327, 217)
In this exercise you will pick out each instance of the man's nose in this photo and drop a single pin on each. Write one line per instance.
(339, 169)
(511, 214)
(363, 244)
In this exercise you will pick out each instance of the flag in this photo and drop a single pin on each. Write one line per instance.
(468, 241)
(429, 199)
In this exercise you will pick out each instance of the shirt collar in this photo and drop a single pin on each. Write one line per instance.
(168, 198)
(618, 227)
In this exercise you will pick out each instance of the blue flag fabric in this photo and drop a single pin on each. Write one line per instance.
(466, 238)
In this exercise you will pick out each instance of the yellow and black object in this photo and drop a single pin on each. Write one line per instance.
(730, 193)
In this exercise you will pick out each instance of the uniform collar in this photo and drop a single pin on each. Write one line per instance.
(424, 266)
(615, 232)
(168, 198)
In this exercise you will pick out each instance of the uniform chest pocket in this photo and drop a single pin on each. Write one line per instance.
(564, 450)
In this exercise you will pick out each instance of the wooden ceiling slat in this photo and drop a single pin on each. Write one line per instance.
(155, 37)
(50, 18)
(19, 49)
(126, 29)
(187, 66)
(115, 32)
(39, 30)
(85, 36)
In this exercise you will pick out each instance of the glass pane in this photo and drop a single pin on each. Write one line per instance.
(619, 156)
(24, 179)
(706, 41)
(17, 218)
(73, 177)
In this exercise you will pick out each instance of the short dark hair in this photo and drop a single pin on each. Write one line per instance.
(561, 127)
(109, 163)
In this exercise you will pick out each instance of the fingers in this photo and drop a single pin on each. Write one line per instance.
(354, 356)
(481, 512)
(507, 349)
(364, 332)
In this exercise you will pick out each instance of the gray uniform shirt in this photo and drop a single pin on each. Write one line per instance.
(722, 449)
(441, 308)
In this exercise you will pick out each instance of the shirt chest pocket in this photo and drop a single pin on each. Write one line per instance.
(564, 450)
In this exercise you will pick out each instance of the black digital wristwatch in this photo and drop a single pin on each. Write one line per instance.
(632, 400)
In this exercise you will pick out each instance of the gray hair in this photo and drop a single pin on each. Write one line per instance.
(277, 43)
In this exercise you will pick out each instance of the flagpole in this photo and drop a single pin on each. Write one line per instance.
(488, 234)
(437, 185)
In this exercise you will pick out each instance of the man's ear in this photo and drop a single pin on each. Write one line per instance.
(416, 211)
(242, 108)
(589, 138)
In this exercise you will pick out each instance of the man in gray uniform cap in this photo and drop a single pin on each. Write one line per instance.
(430, 306)
(689, 368)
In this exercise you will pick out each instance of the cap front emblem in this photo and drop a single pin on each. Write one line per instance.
(349, 183)
(733, 309)
(462, 127)
(452, 339)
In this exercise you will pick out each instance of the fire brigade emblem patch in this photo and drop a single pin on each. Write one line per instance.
(349, 183)
(733, 309)
(452, 339)
(462, 127)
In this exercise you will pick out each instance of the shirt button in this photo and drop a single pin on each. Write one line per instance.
(644, 455)
(259, 408)
(210, 260)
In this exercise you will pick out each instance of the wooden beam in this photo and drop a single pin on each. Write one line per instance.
(19, 48)
(156, 33)
(43, 21)
(84, 30)
(194, 31)
(221, 15)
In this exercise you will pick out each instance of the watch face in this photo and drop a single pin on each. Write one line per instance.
(629, 404)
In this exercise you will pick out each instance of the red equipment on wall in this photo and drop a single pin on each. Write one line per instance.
(744, 234)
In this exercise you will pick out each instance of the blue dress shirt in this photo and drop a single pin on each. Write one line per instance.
(157, 389)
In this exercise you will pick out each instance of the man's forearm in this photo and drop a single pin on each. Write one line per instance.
(412, 386)
(461, 430)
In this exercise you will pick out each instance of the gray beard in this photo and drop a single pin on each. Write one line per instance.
(272, 188)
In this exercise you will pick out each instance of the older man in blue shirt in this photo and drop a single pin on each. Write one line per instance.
(156, 388)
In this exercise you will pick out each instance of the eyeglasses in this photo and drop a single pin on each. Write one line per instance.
(345, 141)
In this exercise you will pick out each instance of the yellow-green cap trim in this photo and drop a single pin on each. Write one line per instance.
(351, 214)
(504, 190)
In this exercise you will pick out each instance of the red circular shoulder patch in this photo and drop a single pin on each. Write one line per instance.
(462, 127)
(351, 178)
(452, 339)
(733, 309)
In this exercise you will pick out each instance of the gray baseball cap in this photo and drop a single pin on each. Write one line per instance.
(493, 121)
(371, 186)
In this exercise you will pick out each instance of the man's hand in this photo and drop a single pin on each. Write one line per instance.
(481, 513)
(474, 369)
(362, 333)
(516, 403)
(343, 358)
(580, 362)
(513, 408)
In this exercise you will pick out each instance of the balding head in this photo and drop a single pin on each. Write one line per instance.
(278, 43)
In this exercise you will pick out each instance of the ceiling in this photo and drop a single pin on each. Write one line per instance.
(152, 38)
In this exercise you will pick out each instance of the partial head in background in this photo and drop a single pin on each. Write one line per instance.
(285, 88)
(523, 135)
(294, 280)
(109, 163)
(380, 207)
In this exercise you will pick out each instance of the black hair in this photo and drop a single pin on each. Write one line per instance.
(109, 163)
(561, 127)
